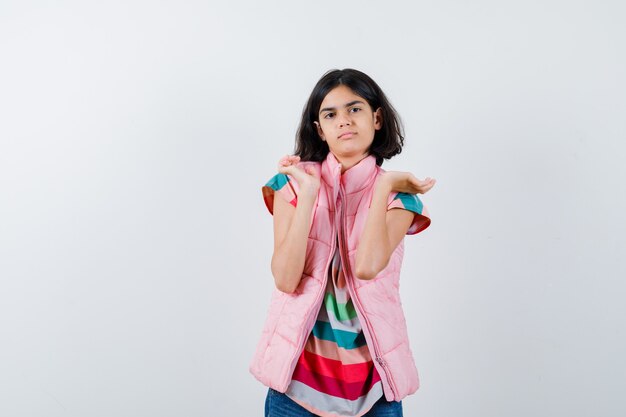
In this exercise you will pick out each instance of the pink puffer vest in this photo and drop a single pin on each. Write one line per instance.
(341, 208)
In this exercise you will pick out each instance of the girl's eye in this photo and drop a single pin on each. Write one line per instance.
(355, 109)
(328, 115)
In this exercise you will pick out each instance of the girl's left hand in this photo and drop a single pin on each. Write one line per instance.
(405, 182)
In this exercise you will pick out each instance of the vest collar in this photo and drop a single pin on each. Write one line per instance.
(352, 180)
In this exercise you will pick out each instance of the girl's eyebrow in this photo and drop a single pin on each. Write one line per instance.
(352, 103)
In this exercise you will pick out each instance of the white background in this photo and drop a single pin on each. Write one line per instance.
(135, 246)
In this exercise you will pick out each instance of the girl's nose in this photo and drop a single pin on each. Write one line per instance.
(344, 120)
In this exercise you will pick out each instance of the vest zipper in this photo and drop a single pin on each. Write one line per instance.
(357, 302)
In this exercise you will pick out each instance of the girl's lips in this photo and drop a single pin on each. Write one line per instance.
(346, 135)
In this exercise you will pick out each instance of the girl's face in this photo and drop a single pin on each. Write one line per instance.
(348, 124)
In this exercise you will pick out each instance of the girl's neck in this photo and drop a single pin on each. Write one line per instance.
(349, 162)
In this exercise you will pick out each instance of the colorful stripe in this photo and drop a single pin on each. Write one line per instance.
(347, 325)
(331, 351)
(335, 387)
(412, 203)
(347, 340)
(280, 184)
(342, 311)
(305, 396)
(335, 369)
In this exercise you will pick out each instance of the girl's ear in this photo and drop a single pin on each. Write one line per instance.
(378, 118)
(319, 131)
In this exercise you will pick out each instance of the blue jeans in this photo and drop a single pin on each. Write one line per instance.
(278, 404)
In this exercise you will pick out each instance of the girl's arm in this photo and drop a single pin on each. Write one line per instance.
(384, 229)
(291, 227)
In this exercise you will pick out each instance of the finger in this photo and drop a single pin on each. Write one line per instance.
(294, 171)
(426, 188)
(289, 170)
(312, 171)
(419, 183)
(291, 160)
(286, 161)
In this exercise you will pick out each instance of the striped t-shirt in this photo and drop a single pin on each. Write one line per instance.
(335, 375)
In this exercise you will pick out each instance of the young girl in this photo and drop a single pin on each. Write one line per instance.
(335, 341)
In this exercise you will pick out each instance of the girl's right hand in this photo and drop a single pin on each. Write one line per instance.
(308, 181)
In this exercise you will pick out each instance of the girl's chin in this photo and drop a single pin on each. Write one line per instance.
(349, 156)
(348, 150)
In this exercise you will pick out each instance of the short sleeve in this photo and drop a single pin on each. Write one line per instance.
(411, 202)
(282, 185)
